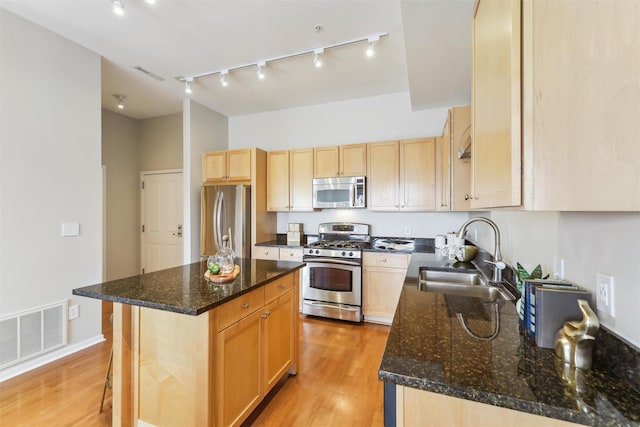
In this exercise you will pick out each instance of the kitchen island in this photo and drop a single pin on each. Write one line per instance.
(189, 352)
(437, 373)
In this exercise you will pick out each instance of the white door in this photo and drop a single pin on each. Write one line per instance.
(161, 220)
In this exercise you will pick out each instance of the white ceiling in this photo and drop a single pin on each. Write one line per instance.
(427, 51)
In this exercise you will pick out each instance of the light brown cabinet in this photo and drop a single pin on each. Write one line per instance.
(576, 131)
(226, 166)
(401, 175)
(289, 180)
(495, 157)
(343, 160)
(453, 161)
(382, 280)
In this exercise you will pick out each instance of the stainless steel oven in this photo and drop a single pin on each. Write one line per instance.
(332, 278)
(332, 288)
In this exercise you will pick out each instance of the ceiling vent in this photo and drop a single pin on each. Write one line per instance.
(149, 73)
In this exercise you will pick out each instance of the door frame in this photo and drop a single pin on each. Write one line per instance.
(143, 174)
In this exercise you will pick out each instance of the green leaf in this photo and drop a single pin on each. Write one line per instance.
(537, 272)
(522, 273)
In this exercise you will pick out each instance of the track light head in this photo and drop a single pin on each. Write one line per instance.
(371, 47)
(317, 60)
(118, 7)
(224, 78)
(260, 71)
(188, 86)
(120, 101)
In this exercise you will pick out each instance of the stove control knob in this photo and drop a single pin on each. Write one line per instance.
(310, 251)
(344, 253)
(350, 253)
(317, 251)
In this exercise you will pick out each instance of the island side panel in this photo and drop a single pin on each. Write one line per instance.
(176, 368)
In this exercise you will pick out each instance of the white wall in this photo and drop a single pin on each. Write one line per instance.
(378, 118)
(203, 130)
(589, 242)
(161, 143)
(121, 155)
(50, 172)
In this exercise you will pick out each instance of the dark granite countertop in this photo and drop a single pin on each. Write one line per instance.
(429, 350)
(184, 289)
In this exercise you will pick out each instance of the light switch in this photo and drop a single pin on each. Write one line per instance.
(70, 229)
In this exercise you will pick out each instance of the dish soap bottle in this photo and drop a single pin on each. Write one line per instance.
(225, 257)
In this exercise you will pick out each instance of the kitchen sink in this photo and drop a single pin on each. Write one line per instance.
(470, 284)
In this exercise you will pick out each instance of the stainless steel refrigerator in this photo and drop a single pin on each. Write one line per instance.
(225, 209)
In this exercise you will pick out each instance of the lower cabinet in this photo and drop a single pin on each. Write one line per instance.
(208, 370)
(382, 279)
(423, 408)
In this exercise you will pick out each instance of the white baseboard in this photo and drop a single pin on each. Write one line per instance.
(382, 320)
(31, 364)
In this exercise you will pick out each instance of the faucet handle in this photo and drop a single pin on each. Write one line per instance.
(499, 265)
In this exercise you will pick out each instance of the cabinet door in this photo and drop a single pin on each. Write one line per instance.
(214, 166)
(418, 174)
(460, 133)
(278, 335)
(382, 176)
(353, 160)
(443, 170)
(325, 162)
(381, 290)
(239, 165)
(265, 252)
(301, 179)
(238, 370)
(290, 254)
(495, 159)
(278, 181)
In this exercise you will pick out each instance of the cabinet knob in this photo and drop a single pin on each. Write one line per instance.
(282, 285)
(467, 197)
(245, 305)
(383, 260)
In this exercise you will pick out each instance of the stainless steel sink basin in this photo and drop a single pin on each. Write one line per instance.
(470, 284)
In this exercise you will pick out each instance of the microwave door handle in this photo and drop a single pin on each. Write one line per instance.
(353, 196)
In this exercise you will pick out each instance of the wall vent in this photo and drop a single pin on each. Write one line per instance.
(31, 333)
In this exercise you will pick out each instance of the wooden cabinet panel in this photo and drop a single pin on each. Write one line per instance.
(290, 254)
(325, 162)
(301, 179)
(353, 160)
(226, 166)
(417, 174)
(382, 280)
(443, 170)
(278, 333)
(460, 138)
(278, 287)
(238, 366)
(383, 175)
(278, 181)
(496, 150)
(239, 308)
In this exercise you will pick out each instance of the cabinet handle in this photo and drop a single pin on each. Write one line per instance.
(264, 316)
(467, 197)
(383, 260)
(282, 286)
(245, 305)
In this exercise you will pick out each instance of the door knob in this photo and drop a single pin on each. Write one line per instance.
(179, 232)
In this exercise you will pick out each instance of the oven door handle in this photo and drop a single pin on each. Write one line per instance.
(332, 261)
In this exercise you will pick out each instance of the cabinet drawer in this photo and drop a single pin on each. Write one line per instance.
(266, 252)
(278, 287)
(374, 259)
(291, 254)
(238, 308)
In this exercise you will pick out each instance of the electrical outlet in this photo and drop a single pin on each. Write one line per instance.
(407, 230)
(73, 312)
(605, 294)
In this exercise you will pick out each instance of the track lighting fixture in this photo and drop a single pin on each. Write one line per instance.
(118, 7)
(223, 78)
(260, 71)
(371, 48)
(120, 99)
(317, 61)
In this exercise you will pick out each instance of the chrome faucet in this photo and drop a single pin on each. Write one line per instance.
(497, 263)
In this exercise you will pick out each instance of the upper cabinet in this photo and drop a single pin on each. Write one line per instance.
(401, 175)
(226, 167)
(343, 160)
(453, 161)
(575, 127)
(495, 156)
(289, 180)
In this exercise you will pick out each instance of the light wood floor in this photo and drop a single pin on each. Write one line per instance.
(336, 384)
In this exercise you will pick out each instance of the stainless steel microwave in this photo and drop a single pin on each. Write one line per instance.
(339, 193)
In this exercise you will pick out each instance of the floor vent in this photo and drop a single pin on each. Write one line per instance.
(31, 333)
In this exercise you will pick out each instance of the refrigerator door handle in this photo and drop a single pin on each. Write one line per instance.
(217, 219)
